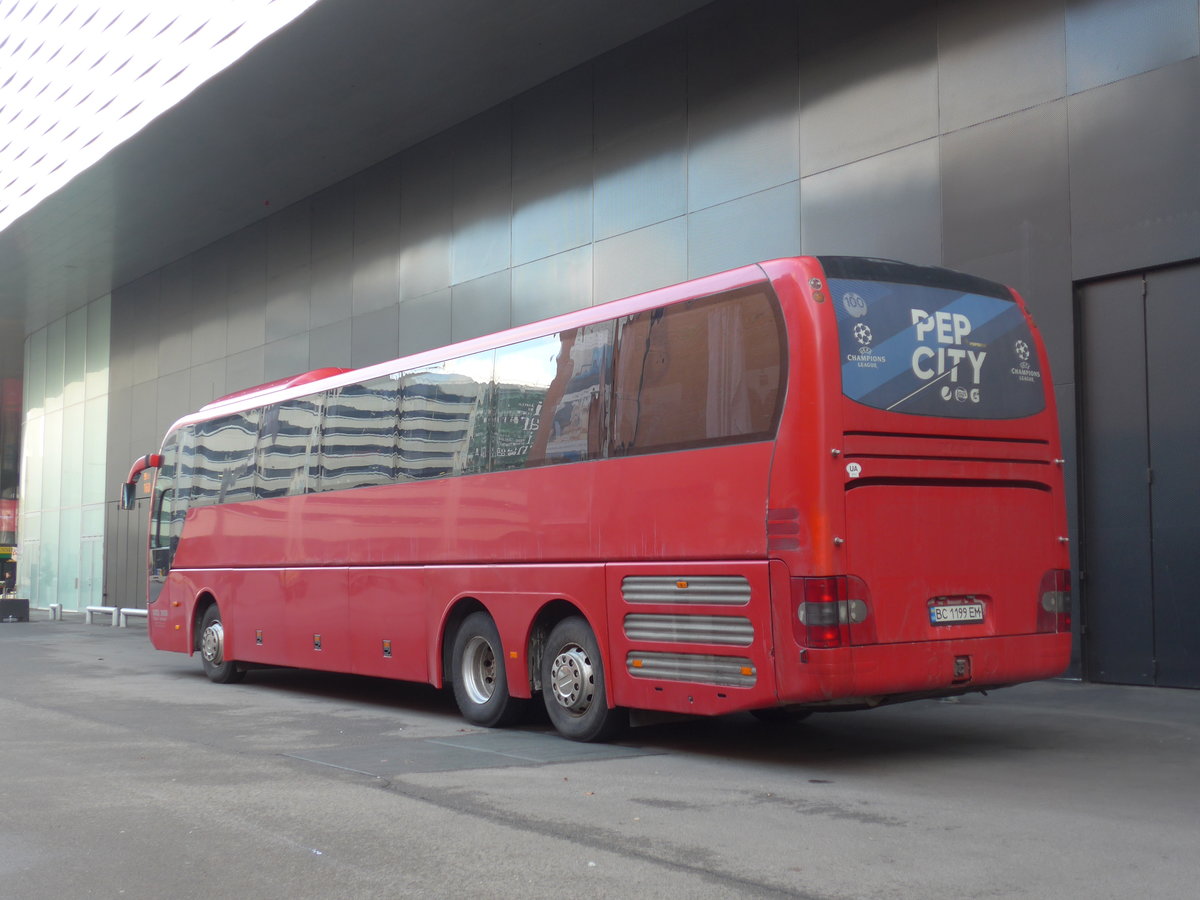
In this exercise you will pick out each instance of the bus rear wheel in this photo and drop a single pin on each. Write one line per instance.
(477, 670)
(573, 684)
(212, 650)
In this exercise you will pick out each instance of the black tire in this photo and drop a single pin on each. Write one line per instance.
(477, 673)
(573, 684)
(212, 650)
(781, 715)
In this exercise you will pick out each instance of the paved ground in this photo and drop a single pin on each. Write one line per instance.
(124, 773)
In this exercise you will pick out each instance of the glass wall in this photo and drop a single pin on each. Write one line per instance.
(60, 549)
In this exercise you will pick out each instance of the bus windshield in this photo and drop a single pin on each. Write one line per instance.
(936, 351)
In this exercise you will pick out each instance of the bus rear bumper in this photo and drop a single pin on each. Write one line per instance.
(884, 673)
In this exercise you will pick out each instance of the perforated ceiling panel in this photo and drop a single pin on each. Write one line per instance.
(78, 78)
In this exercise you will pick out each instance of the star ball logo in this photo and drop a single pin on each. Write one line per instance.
(862, 334)
(1022, 350)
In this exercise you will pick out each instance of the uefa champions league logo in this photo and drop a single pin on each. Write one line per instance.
(862, 334)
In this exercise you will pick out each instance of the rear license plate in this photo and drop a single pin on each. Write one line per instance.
(955, 613)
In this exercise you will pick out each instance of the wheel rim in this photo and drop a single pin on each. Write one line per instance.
(479, 670)
(212, 643)
(573, 680)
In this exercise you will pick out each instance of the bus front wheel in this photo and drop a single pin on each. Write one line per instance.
(573, 684)
(212, 649)
(477, 669)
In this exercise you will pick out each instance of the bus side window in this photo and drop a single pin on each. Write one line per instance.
(358, 441)
(183, 482)
(699, 373)
(240, 435)
(161, 512)
(445, 418)
(287, 448)
(224, 459)
(550, 398)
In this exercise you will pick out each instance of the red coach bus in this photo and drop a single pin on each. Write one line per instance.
(813, 483)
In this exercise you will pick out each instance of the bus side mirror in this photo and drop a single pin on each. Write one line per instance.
(129, 489)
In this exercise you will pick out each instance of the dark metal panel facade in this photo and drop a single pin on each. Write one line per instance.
(426, 219)
(1117, 586)
(888, 205)
(868, 80)
(329, 345)
(482, 198)
(641, 133)
(761, 226)
(249, 367)
(481, 306)
(743, 117)
(998, 58)
(210, 306)
(1135, 197)
(175, 317)
(556, 284)
(286, 356)
(286, 312)
(374, 336)
(1108, 40)
(1006, 214)
(424, 322)
(1172, 328)
(332, 288)
(641, 260)
(552, 168)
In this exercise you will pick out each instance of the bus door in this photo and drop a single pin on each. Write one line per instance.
(169, 504)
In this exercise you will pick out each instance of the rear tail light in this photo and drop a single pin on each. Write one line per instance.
(1054, 602)
(833, 611)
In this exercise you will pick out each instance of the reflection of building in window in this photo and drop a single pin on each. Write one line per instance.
(518, 414)
(699, 373)
(439, 417)
(223, 462)
(289, 448)
(358, 445)
(571, 425)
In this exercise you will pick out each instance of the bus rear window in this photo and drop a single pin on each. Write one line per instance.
(935, 351)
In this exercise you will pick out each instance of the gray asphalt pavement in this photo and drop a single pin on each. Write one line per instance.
(125, 773)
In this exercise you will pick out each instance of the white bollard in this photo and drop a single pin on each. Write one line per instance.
(124, 615)
(90, 611)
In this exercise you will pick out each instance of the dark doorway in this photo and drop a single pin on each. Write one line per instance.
(1140, 477)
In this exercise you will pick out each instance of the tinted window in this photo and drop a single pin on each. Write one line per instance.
(223, 471)
(359, 444)
(936, 351)
(551, 394)
(289, 448)
(445, 417)
(162, 510)
(699, 373)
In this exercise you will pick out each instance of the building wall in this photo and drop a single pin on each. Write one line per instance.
(1036, 142)
(64, 479)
